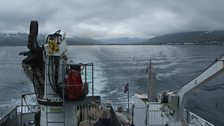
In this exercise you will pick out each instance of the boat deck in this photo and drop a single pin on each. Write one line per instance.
(88, 113)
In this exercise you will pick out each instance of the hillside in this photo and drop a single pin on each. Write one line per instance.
(122, 41)
(20, 39)
(81, 41)
(197, 37)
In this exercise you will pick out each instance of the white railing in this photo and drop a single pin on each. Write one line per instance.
(194, 119)
(150, 114)
(27, 108)
(11, 118)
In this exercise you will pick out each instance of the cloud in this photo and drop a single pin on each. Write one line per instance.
(112, 18)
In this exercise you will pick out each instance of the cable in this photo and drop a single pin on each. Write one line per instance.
(27, 105)
(50, 82)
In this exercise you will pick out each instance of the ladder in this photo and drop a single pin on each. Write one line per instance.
(55, 115)
(55, 112)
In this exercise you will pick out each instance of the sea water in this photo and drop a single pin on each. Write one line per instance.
(114, 66)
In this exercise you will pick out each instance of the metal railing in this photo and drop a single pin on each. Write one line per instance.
(194, 119)
(90, 112)
(87, 72)
(12, 115)
(154, 116)
(15, 116)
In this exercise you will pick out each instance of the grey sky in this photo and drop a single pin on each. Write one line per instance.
(112, 18)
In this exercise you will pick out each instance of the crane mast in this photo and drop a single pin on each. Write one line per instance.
(173, 102)
(56, 79)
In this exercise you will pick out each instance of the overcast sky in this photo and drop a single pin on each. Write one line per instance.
(112, 18)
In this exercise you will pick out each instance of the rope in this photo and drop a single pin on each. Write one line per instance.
(216, 104)
(34, 85)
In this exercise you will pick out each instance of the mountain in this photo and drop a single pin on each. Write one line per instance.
(196, 37)
(82, 41)
(122, 41)
(20, 39)
(12, 39)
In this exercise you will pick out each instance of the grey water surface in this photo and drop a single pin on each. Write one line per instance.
(175, 65)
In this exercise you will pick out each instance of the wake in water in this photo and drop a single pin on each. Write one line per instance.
(116, 65)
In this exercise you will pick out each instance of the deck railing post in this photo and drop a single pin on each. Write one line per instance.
(21, 115)
(92, 80)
